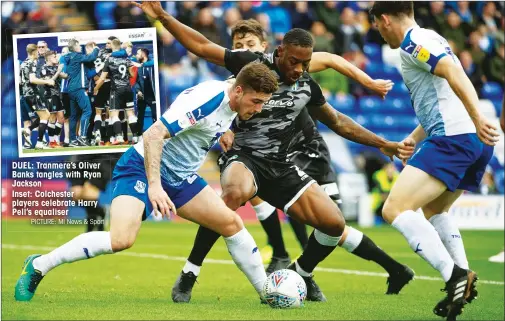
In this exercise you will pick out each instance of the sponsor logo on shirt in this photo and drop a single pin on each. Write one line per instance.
(191, 119)
(420, 53)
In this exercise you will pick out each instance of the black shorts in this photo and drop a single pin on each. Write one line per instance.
(54, 104)
(121, 99)
(36, 103)
(102, 99)
(65, 101)
(314, 159)
(278, 183)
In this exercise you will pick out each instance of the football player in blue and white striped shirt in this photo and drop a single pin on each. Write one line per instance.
(456, 145)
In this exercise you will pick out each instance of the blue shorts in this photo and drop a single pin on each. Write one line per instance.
(458, 161)
(129, 178)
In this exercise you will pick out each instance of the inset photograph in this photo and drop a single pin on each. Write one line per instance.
(85, 92)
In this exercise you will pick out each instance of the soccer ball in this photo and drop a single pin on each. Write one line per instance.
(284, 289)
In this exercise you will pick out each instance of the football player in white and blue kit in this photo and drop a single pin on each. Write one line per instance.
(159, 173)
(456, 145)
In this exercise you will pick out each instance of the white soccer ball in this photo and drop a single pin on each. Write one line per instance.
(284, 289)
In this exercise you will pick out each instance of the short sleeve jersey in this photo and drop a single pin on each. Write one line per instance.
(269, 133)
(118, 69)
(28, 67)
(195, 121)
(438, 108)
(47, 72)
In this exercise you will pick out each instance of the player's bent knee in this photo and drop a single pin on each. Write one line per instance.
(231, 226)
(122, 242)
(390, 211)
(234, 197)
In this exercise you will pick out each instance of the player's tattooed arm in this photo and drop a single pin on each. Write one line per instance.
(463, 88)
(188, 37)
(344, 126)
(324, 60)
(153, 146)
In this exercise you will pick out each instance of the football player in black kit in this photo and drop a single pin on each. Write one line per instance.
(256, 163)
(52, 70)
(29, 82)
(101, 99)
(121, 94)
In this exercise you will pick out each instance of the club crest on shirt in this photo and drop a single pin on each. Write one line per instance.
(420, 53)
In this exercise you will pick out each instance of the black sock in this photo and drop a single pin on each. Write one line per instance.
(272, 227)
(369, 251)
(42, 130)
(314, 253)
(204, 241)
(124, 128)
(50, 130)
(57, 129)
(133, 128)
(116, 128)
(34, 124)
(300, 232)
(97, 125)
(110, 129)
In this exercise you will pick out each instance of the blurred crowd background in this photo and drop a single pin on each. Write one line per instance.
(475, 31)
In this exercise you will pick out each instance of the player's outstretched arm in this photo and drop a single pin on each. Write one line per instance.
(91, 57)
(463, 87)
(346, 127)
(153, 146)
(188, 37)
(324, 60)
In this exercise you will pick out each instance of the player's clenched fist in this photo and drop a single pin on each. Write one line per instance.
(151, 8)
(160, 201)
(226, 141)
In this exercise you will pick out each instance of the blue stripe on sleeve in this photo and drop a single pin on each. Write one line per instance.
(433, 61)
(197, 114)
(209, 107)
(167, 125)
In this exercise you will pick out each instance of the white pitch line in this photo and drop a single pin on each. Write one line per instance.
(230, 262)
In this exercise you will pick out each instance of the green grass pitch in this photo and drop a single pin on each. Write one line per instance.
(136, 284)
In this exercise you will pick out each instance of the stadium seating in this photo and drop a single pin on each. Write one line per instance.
(343, 103)
(373, 52)
(369, 104)
(492, 90)
(104, 13)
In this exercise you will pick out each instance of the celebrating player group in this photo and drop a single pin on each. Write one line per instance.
(264, 119)
(91, 95)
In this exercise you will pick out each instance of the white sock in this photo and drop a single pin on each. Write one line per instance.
(263, 210)
(424, 240)
(190, 267)
(84, 246)
(301, 271)
(451, 237)
(247, 257)
(352, 240)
